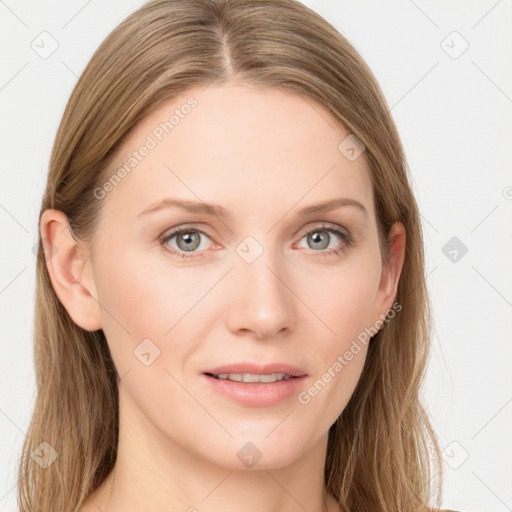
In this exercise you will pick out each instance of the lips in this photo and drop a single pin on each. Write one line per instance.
(256, 369)
(237, 382)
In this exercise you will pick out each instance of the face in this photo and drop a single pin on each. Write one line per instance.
(258, 282)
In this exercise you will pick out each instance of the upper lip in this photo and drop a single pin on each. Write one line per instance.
(258, 369)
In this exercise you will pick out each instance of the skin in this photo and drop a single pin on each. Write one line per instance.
(263, 154)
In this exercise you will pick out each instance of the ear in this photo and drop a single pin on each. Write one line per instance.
(69, 270)
(391, 271)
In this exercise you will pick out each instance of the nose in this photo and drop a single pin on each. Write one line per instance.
(261, 302)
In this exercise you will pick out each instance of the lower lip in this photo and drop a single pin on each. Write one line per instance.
(257, 394)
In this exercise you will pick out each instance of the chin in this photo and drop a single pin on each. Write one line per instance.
(257, 453)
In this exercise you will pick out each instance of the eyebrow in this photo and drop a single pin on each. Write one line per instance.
(219, 211)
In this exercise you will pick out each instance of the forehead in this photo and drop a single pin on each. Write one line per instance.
(237, 144)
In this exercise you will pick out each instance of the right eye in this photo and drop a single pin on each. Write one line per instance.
(187, 241)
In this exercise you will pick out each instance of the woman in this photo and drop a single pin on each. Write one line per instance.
(231, 309)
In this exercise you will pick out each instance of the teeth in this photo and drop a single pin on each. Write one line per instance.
(252, 377)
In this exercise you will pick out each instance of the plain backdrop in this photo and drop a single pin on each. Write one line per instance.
(446, 71)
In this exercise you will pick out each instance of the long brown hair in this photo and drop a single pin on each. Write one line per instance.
(382, 451)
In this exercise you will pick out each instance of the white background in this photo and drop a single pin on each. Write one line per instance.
(454, 117)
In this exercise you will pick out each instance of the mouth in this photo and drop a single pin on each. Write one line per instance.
(252, 372)
(256, 385)
(252, 377)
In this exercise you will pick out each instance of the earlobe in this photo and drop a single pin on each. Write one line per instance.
(67, 265)
(391, 270)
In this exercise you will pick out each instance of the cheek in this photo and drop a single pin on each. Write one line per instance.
(345, 308)
(144, 299)
(345, 301)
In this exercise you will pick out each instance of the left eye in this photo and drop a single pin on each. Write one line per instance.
(188, 240)
(318, 238)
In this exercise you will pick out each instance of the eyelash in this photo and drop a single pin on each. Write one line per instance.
(348, 240)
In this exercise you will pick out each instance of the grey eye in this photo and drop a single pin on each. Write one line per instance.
(188, 241)
(319, 238)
